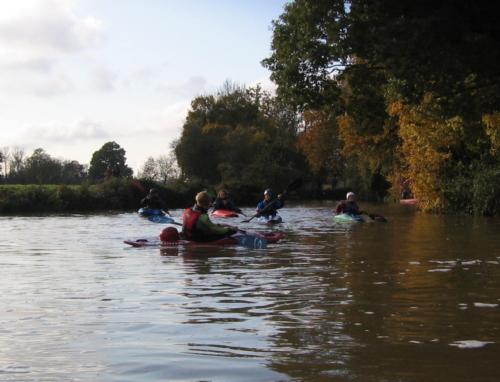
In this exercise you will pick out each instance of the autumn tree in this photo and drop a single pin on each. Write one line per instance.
(396, 73)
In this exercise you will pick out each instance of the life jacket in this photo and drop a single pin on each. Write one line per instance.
(350, 208)
(189, 220)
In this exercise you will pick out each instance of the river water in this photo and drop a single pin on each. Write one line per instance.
(414, 299)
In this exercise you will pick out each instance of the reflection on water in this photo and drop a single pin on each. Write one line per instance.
(414, 299)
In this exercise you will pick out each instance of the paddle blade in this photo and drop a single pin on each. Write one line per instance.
(251, 241)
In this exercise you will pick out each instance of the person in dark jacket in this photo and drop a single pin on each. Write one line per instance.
(224, 202)
(348, 206)
(153, 201)
(269, 207)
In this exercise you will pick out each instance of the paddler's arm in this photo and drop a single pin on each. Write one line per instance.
(206, 226)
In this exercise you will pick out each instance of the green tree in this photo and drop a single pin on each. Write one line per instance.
(239, 135)
(41, 168)
(109, 160)
(72, 172)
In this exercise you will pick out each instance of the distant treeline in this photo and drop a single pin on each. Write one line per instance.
(112, 194)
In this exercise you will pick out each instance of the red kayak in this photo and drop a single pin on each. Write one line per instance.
(224, 214)
(408, 201)
(270, 237)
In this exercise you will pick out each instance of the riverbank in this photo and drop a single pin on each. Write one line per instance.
(114, 194)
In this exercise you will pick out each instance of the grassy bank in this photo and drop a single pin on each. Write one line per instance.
(118, 194)
(115, 194)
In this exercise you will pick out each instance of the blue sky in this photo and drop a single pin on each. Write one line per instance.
(76, 74)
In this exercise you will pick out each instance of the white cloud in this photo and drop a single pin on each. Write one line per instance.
(266, 84)
(190, 88)
(104, 79)
(37, 36)
(48, 27)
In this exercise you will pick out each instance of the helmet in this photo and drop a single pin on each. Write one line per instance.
(350, 194)
(153, 191)
(169, 235)
(268, 191)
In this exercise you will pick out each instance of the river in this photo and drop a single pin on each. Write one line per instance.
(413, 299)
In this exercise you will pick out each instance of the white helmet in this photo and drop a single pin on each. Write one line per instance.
(350, 194)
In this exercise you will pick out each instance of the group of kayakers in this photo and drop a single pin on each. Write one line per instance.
(196, 224)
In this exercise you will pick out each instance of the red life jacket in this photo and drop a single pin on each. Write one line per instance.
(189, 220)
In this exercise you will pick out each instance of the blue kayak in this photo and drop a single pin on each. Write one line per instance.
(155, 216)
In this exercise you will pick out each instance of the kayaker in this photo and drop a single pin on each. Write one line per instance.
(269, 207)
(224, 202)
(348, 206)
(153, 201)
(196, 225)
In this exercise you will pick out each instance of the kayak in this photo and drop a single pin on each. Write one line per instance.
(244, 239)
(408, 201)
(155, 215)
(276, 219)
(349, 218)
(224, 214)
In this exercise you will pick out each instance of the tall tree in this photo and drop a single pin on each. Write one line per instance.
(385, 66)
(239, 135)
(109, 160)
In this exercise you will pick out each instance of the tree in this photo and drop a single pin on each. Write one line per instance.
(161, 169)
(149, 170)
(321, 145)
(40, 168)
(383, 67)
(16, 161)
(2, 164)
(239, 135)
(72, 172)
(109, 160)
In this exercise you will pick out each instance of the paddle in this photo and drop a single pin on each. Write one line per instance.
(376, 217)
(291, 187)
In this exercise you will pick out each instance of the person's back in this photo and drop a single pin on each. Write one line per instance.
(153, 201)
(196, 225)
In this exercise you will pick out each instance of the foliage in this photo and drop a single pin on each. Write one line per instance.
(321, 145)
(414, 87)
(161, 169)
(41, 168)
(112, 194)
(108, 161)
(239, 134)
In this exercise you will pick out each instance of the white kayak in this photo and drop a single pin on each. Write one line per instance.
(276, 219)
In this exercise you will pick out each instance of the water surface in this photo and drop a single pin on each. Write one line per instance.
(411, 300)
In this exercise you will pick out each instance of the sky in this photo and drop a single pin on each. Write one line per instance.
(77, 74)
